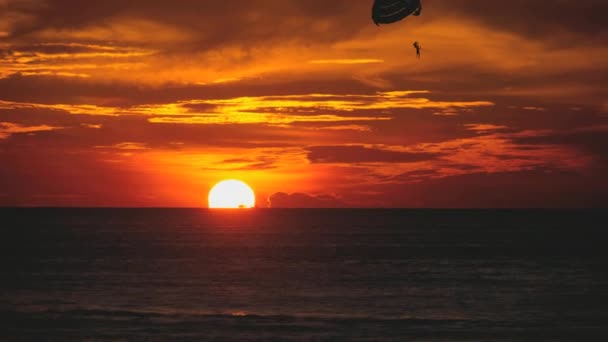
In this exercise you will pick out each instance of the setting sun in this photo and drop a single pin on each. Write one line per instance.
(231, 194)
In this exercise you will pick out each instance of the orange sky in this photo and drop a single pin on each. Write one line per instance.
(149, 103)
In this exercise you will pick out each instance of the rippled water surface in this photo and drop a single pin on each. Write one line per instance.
(366, 275)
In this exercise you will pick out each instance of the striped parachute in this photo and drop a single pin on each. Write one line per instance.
(390, 11)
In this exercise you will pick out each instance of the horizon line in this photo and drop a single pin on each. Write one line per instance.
(303, 208)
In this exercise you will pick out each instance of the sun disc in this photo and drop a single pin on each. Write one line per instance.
(231, 194)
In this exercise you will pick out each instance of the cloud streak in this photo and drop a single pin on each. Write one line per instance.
(306, 100)
(7, 129)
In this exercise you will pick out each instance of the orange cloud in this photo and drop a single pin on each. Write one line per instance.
(69, 108)
(346, 61)
(257, 118)
(484, 128)
(8, 128)
(272, 110)
(131, 146)
(314, 104)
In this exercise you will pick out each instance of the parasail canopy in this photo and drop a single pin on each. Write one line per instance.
(390, 11)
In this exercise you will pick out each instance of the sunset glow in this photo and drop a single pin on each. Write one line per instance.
(304, 170)
(317, 106)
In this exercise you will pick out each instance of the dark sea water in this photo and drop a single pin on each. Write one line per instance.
(311, 275)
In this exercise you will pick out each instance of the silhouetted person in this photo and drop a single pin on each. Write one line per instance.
(418, 48)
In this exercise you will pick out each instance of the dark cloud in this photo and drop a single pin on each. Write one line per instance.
(510, 156)
(592, 140)
(114, 93)
(272, 18)
(532, 19)
(410, 176)
(213, 22)
(200, 107)
(363, 154)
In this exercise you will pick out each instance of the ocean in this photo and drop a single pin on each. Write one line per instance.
(303, 275)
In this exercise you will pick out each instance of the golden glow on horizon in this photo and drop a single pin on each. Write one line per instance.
(231, 194)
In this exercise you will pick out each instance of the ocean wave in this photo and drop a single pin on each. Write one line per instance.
(126, 324)
(170, 315)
